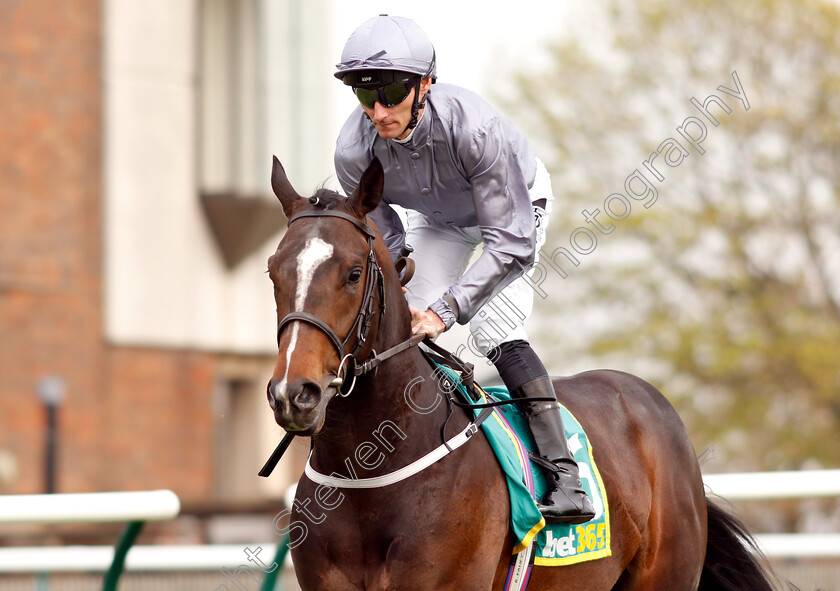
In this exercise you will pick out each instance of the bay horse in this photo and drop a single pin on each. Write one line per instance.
(339, 300)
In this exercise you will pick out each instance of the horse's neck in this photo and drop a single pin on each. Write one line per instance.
(395, 412)
(392, 417)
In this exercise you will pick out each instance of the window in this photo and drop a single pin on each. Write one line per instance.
(230, 141)
(231, 130)
(238, 409)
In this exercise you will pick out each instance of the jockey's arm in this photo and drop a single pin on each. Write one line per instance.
(506, 218)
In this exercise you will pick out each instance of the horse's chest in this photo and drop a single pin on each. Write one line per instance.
(396, 542)
(351, 556)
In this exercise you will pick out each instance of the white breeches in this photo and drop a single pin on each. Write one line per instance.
(441, 255)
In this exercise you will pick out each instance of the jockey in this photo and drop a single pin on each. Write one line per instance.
(465, 176)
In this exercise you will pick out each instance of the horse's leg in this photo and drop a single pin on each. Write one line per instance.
(655, 492)
(673, 542)
(601, 574)
(456, 541)
(671, 556)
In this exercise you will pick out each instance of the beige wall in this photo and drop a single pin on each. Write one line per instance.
(165, 283)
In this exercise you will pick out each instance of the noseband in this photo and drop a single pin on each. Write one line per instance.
(364, 318)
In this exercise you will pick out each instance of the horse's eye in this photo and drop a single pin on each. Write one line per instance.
(355, 275)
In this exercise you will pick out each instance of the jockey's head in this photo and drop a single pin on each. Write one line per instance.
(385, 61)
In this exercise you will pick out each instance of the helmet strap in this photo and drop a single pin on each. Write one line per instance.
(416, 105)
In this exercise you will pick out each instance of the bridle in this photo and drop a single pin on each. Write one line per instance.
(361, 327)
(342, 382)
(375, 279)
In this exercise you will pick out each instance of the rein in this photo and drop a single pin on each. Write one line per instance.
(448, 446)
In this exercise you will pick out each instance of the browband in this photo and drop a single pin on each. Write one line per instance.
(318, 213)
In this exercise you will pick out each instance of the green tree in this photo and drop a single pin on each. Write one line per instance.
(724, 288)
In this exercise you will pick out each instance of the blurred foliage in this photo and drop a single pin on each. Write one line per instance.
(725, 292)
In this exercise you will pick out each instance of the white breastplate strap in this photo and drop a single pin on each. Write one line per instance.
(401, 474)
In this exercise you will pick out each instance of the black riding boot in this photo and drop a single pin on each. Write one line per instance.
(565, 501)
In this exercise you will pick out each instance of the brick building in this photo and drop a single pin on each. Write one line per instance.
(135, 224)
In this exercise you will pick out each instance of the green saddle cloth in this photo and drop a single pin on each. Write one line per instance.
(510, 438)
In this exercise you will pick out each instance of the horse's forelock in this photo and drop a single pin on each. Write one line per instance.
(326, 199)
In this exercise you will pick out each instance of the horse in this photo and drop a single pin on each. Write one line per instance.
(349, 376)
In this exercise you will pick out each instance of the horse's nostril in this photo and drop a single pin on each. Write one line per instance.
(305, 395)
(269, 392)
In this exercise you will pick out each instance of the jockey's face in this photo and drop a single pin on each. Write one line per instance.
(391, 122)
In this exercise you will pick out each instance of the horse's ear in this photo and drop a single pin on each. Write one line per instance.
(282, 187)
(369, 192)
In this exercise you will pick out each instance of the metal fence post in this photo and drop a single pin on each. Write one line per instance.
(270, 581)
(112, 577)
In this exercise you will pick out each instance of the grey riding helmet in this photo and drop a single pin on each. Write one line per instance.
(383, 49)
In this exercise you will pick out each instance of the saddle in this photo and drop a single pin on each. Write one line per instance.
(537, 543)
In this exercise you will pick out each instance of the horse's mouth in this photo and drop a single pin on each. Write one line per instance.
(299, 428)
(305, 425)
(304, 422)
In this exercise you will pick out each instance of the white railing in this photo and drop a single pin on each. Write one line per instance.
(135, 508)
(158, 505)
(180, 558)
(798, 484)
(775, 485)
(800, 545)
(154, 505)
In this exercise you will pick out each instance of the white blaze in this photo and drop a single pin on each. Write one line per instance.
(309, 259)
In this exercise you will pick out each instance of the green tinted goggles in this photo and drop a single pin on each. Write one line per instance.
(388, 95)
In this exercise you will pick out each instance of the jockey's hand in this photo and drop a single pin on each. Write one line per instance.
(426, 322)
